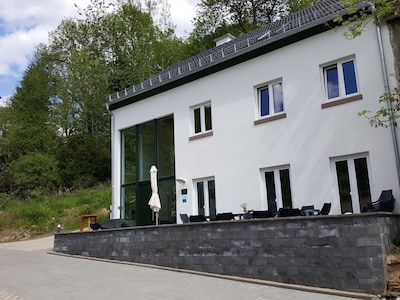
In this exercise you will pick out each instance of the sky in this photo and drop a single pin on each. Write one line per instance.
(26, 23)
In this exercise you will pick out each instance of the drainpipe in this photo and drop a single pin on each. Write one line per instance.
(387, 88)
(113, 207)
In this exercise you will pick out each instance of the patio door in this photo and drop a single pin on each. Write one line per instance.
(353, 184)
(277, 187)
(206, 197)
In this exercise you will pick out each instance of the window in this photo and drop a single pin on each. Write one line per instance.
(277, 188)
(201, 120)
(142, 146)
(352, 182)
(340, 79)
(270, 99)
(206, 204)
(270, 102)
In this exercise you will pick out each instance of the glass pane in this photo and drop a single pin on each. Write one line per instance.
(285, 187)
(207, 114)
(144, 215)
(197, 120)
(200, 197)
(264, 102)
(349, 75)
(129, 203)
(342, 172)
(332, 82)
(362, 177)
(271, 194)
(166, 190)
(166, 152)
(129, 156)
(146, 150)
(278, 97)
(211, 198)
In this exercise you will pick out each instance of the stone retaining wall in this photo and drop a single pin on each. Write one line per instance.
(346, 252)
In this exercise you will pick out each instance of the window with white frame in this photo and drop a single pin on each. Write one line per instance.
(340, 79)
(270, 99)
(201, 118)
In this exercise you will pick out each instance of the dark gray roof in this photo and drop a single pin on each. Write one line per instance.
(186, 70)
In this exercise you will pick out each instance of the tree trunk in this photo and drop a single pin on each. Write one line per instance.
(394, 30)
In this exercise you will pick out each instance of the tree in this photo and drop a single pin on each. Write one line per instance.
(102, 53)
(30, 127)
(359, 14)
(34, 171)
(215, 18)
(5, 154)
(84, 160)
(57, 116)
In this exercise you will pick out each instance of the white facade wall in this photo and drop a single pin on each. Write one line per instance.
(306, 140)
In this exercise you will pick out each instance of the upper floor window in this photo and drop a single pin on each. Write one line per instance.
(201, 120)
(270, 99)
(270, 102)
(340, 79)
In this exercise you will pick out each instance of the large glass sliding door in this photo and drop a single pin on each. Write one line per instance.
(144, 145)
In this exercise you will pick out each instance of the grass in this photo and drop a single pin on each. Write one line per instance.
(41, 214)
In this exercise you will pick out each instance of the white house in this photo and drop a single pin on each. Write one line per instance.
(269, 119)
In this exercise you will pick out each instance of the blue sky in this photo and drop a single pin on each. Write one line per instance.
(26, 23)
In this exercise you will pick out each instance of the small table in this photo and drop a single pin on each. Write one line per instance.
(89, 219)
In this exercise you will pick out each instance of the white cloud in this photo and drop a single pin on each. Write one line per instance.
(182, 14)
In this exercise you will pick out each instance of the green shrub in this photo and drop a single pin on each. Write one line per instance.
(41, 214)
(34, 174)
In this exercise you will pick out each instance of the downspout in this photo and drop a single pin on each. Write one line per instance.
(113, 206)
(387, 88)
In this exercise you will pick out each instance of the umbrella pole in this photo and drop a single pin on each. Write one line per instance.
(157, 218)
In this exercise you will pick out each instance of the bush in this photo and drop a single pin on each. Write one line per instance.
(41, 214)
(84, 161)
(34, 173)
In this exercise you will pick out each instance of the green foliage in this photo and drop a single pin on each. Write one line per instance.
(360, 12)
(388, 114)
(214, 18)
(84, 160)
(55, 131)
(42, 214)
(297, 5)
(33, 172)
(29, 128)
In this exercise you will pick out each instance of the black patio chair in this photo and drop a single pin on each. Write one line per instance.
(262, 214)
(326, 208)
(386, 202)
(114, 223)
(308, 210)
(95, 226)
(289, 212)
(184, 218)
(225, 216)
(197, 218)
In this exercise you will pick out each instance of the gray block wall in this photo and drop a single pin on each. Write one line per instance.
(346, 252)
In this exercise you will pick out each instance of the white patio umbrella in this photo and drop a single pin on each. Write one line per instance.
(154, 202)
